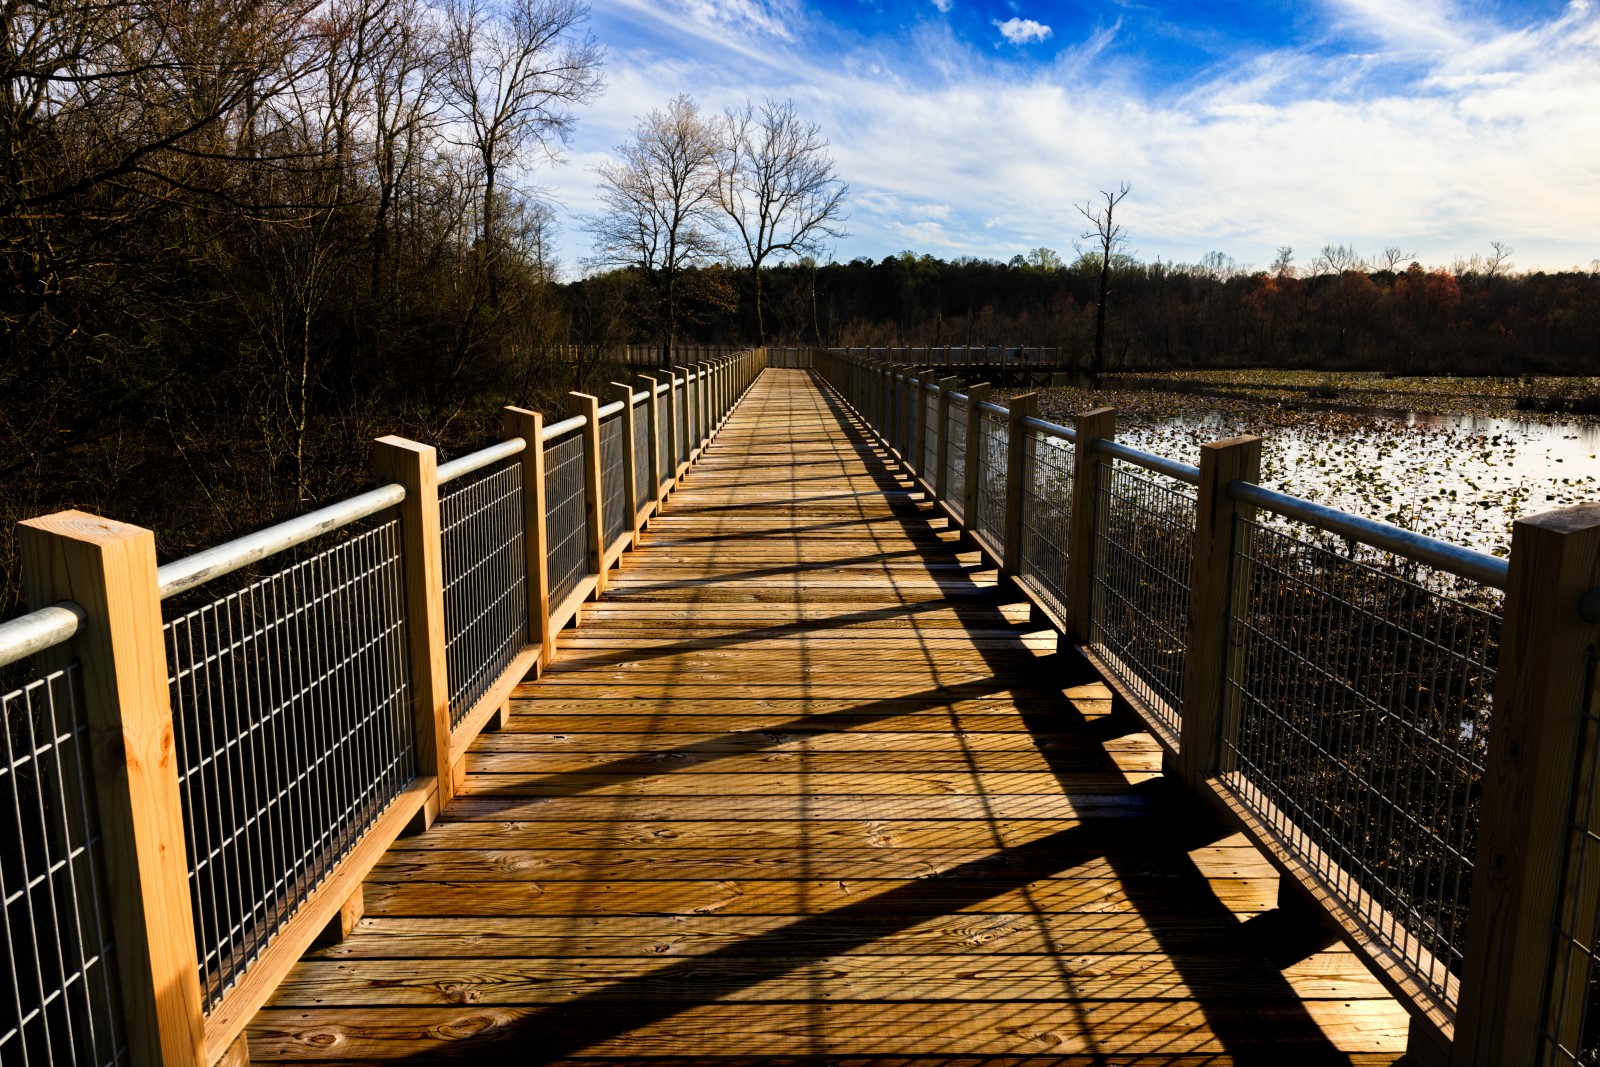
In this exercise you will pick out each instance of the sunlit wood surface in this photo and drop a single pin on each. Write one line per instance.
(808, 787)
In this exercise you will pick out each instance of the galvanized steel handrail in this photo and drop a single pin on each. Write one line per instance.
(608, 410)
(1455, 559)
(38, 630)
(992, 408)
(559, 429)
(481, 459)
(1183, 472)
(1066, 433)
(184, 574)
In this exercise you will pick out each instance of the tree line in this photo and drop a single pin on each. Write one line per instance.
(1339, 310)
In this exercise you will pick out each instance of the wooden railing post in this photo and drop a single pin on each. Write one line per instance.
(630, 488)
(650, 384)
(1021, 407)
(594, 503)
(941, 449)
(1215, 585)
(109, 569)
(974, 468)
(529, 425)
(1521, 882)
(416, 468)
(1088, 469)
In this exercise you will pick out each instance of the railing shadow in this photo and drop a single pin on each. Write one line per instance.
(1257, 1018)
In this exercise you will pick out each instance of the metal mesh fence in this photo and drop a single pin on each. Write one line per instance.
(955, 469)
(290, 699)
(684, 427)
(1570, 1031)
(641, 455)
(1047, 515)
(58, 982)
(1359, 707)
(485, 581)
(613, 490)
(929, 460)
(567, 516)
(1139, 614)
(664, 444)
(989, 524)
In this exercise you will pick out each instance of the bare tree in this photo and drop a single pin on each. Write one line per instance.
(1500, 261)
(777, 184)
(1283, 262)
(514, 70)
(660, 204)
(1111, 239)
(1391, 258)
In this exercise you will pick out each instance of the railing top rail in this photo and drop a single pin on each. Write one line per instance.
(38, 630)
(1456, 559)
(994, 409)
(480, 459)
(962, 397)
(562, 428)
(613, 408)
(1183, 472)
(1066, 433)
(191, 571)
(640, 398)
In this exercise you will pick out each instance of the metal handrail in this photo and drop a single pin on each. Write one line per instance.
(559, 429)
(38, 630)
(481, 459)
(610, 409)
(1183, 472)
(994, 409)
(1053, 429)
(191, 571)
(640, 398)
(1456, 559)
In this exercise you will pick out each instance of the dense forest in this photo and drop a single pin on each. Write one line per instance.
(1473, 317)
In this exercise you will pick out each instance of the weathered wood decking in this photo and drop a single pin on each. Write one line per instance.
(807, 786)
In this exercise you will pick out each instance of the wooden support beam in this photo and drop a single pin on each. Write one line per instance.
(416, 467)
(1089, 467)
(919, 449)
(1025, 406)
(1217, 581)
(1526, 876)
(593, 502)
(109, 569)
(969, 482)
(529, 425)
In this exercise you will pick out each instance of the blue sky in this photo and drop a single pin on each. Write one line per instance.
(973, 127)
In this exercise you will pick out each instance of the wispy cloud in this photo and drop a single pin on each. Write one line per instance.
(1022, 31)
(944, 5)
(953, 148)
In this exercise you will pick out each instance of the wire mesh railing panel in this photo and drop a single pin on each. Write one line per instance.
(290, 699)
(614, 517)
(929, 460)
(1359, 707)
(567, 516)
(955, 468)
(485, 581)
(685, 437)
(1047, 515)
(58, 982)
(641, 456)
(1570, 1030)
(989, 524)
(664, 448)
(1139, 611)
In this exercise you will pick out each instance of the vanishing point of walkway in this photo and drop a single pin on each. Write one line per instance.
(807, 787)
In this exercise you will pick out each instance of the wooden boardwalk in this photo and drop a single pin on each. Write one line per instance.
(808, 787)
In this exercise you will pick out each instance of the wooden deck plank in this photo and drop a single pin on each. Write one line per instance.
(807, 786)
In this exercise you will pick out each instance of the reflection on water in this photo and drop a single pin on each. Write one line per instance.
(1463, 478)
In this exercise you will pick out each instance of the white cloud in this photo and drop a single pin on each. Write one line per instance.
(1021, 31)
(944, 5)
(960, 152)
